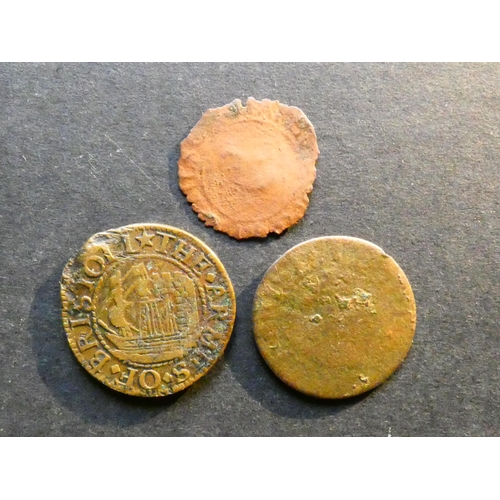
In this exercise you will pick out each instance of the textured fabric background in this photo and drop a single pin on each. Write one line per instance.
(409, 160)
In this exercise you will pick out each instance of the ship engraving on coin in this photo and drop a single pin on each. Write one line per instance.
(248, 170)
(148, 309)
(334, 317)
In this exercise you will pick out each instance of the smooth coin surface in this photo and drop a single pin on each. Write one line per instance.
(334, 317)
(148, 309)
(247, 170)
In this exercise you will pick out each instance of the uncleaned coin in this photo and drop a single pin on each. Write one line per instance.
(148, 309)
(334, 317)
(247, 170)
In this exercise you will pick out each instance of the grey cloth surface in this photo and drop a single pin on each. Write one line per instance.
(409, 161)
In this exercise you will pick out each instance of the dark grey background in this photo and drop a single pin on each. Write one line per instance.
(409, 160)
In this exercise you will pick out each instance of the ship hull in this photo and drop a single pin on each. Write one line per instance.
(149, 350)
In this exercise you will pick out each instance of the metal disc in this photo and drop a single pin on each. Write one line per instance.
(148, 309)
(334, 317)
(247, 170)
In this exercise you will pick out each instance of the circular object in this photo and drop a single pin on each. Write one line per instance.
(247, 170)
(334, 317)
(148, 309)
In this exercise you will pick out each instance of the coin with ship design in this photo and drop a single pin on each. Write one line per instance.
(148, 309)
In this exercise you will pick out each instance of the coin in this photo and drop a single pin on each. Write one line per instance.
(148, 309)
(334, 317)
(247, 170)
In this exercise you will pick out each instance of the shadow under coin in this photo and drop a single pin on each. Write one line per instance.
(261, 383)
(67, 379)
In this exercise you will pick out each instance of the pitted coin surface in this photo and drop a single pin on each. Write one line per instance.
(248, 170)
(334, 317)
(148, 309)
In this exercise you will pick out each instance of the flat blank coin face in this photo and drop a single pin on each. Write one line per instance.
(148, 309)
(334, 317)
(247, 170)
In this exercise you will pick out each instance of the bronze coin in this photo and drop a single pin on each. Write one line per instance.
(247, 170)
(148, 309)
(334, 317)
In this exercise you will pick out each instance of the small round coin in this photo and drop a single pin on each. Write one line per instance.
(148, 309)
(247, 170)
(334, 317)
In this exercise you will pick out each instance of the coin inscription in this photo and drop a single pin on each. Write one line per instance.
(148, 309)
(334, 317)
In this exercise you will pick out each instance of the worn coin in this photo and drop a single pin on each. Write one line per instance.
(247, 170)
(148, 309)
(334, 317)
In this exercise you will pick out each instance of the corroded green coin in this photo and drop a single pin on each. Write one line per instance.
(334, 317)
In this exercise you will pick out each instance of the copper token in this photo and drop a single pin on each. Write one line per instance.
(148, 309)
(247, 170)
(334, 317)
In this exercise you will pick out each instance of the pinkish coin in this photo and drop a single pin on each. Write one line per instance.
(247, 170)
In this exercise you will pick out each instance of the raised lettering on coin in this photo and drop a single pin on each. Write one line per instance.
(143, 305)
